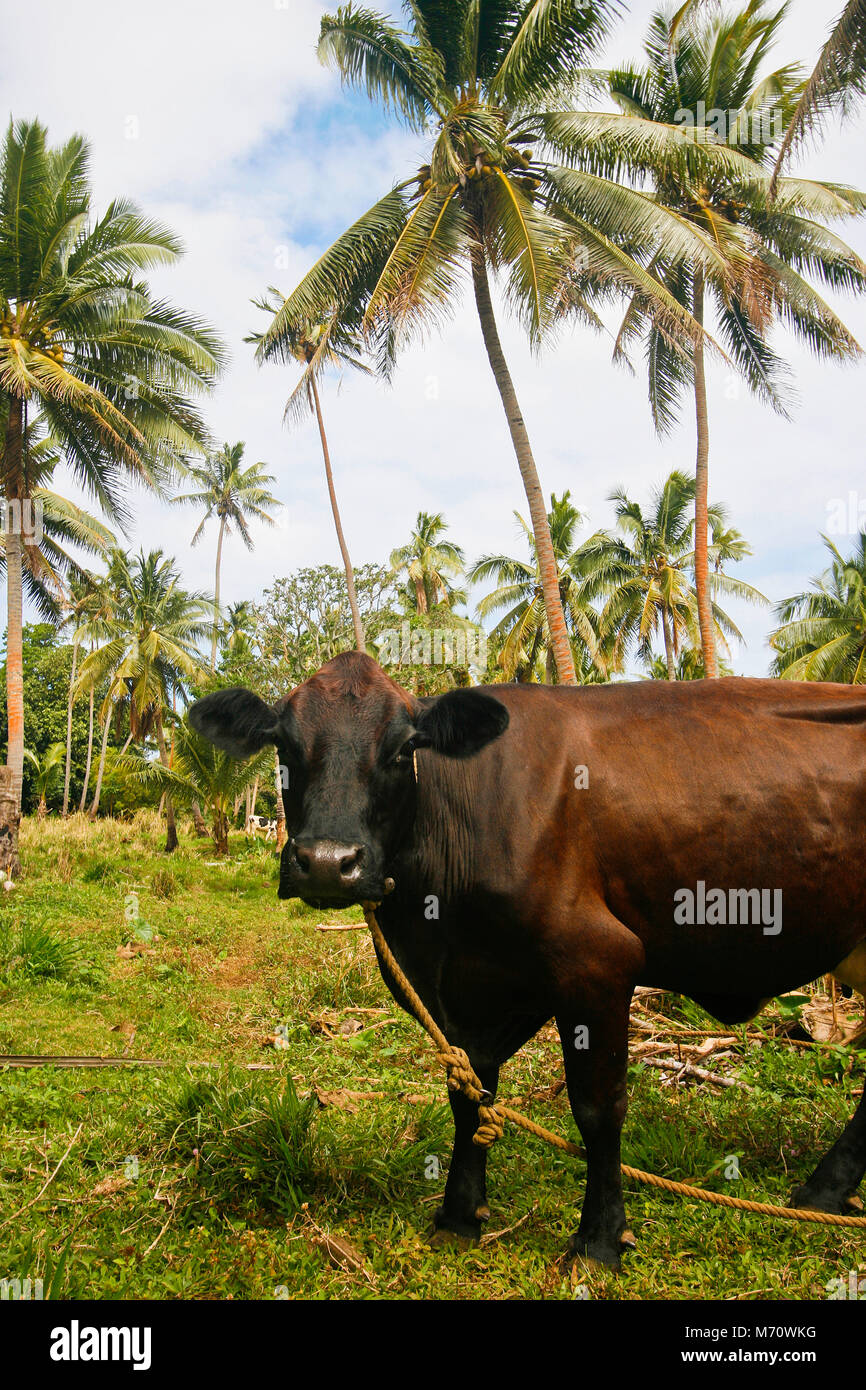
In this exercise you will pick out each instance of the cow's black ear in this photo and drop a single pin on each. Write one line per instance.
(235, 720)
(460, 723)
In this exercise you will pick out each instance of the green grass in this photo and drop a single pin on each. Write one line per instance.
(224, 1182)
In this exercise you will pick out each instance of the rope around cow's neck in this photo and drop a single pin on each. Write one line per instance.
(493, 1114)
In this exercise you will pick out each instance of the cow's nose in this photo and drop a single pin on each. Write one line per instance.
(327, 864)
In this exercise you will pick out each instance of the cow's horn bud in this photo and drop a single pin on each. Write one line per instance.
(389, 885)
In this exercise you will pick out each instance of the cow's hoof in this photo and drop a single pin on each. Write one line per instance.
(811, 1199)
(440, 1238)
(451, 1233)
(594, 1254)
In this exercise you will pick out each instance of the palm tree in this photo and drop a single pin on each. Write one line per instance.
(480, 73)
(82, 602)
(838, 80)
(522, 632)
(47, 768)
(646, 574)
(95, 628)
(52, 577)
(149, 654)
(110, 369)
(239, 629)
(233, 494)
(317, 347)
(201, 771)
(429, 563)
(709, 71)
(50, 572)
(822, 633)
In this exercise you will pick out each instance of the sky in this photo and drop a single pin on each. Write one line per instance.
(218, 120)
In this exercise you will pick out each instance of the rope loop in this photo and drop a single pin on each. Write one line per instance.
(460, 1075)
(491, 1125)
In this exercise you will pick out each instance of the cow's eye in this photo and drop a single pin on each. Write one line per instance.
(405, 753)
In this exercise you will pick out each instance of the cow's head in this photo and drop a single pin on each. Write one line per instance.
(347, 738)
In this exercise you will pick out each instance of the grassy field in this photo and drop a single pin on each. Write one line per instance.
(220, 1181)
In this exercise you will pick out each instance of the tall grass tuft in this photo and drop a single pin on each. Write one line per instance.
(163, 884)
(242, 1140)
(35, 951)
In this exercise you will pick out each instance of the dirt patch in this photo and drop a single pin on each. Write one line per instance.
(234, 972)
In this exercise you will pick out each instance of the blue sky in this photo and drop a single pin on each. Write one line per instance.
(251, 152)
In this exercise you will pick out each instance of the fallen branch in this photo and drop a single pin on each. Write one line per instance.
(497, 1235)
(687, 1069)
(120, 1062)
(163, 1229)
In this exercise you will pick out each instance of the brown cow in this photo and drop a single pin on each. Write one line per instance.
(560, 846)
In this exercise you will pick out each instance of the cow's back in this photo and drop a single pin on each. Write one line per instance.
(627, 795)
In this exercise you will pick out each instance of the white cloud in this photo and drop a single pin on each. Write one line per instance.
(170, 91)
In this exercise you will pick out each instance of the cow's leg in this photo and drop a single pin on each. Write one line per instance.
(840, 1171)
(594, 1041)
(464, 1206)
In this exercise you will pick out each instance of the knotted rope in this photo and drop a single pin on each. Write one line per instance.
(492, 1115)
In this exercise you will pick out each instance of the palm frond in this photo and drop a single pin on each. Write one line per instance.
(367, 51)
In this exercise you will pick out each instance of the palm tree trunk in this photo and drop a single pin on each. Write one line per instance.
(216, 595)
(94, 805)
(8, 824)
(83, 801)
(198, 821)
(669, 649)
(171, 833)
(281, 814)
(528, 472)
(702, 571)
(66, 775)
(221, 833)
(10, 803)
(360, 640)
